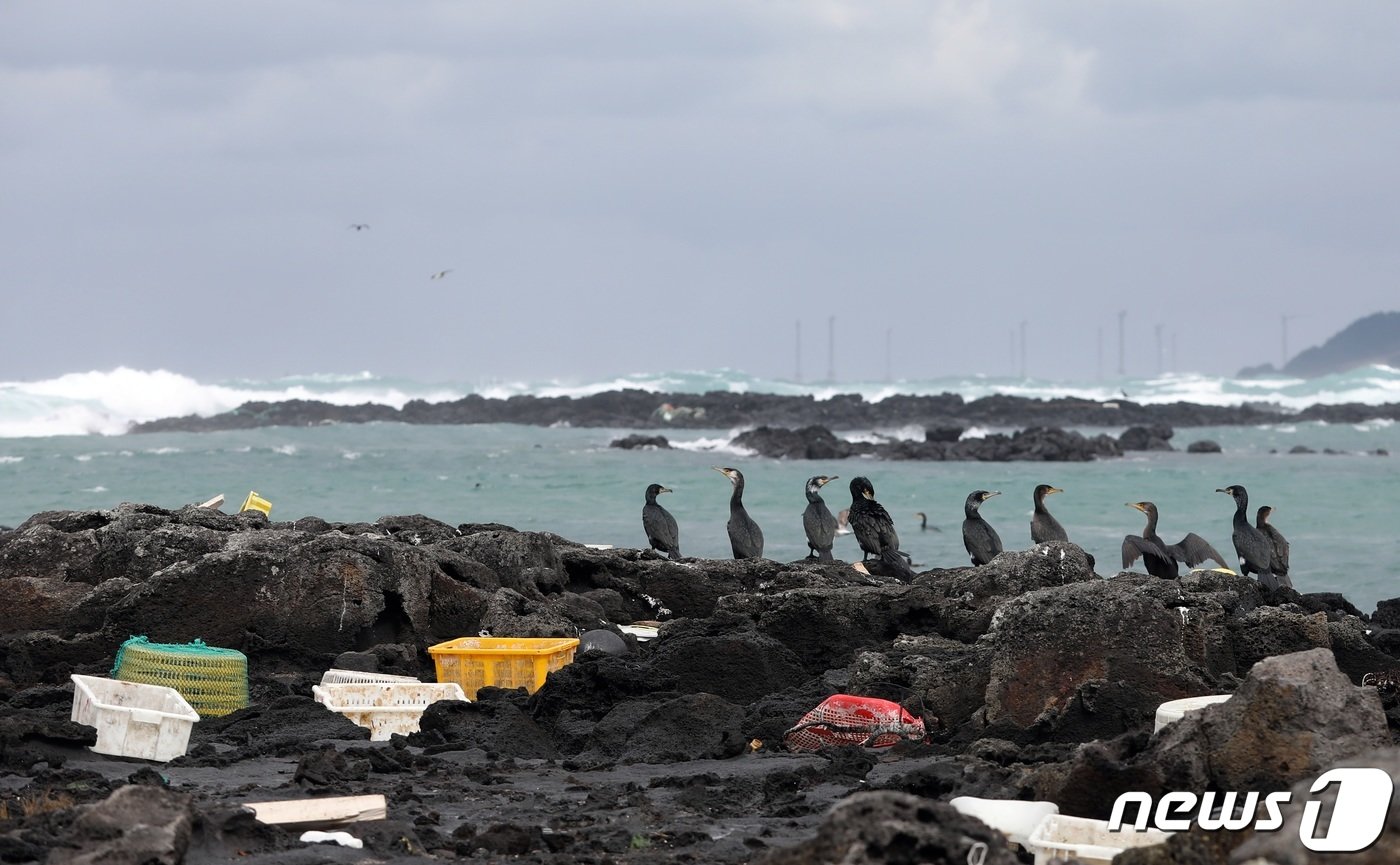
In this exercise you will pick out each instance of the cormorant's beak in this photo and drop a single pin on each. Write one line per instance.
(991, 493)
(1053, 490)
(1226, 492)
(665, 490)
(824, 481)
(869, 494)
(1137, 506)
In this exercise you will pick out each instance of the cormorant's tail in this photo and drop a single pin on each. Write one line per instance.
(896, 564)
(824, 556)
(675, 554)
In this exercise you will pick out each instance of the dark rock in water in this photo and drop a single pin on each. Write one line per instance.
(1156, 437)
(1043, 444)
(637, 440)
(1301, 449)
(944, 434)
(885, 827)
(600, 640)
(135, 825)
(1204, 446)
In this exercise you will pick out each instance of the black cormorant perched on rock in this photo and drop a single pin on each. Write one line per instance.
(874, 529)
(818, 520)
(1278, 562)
(1160, 558)
(1044, 526)
(981, 540)
(662, 532)
(1252, 546)
(745, 537)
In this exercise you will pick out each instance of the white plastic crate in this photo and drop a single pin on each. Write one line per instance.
(1175, 710)
(1014, 818)
(386, 708)
(151, 722)
(1060, 836)
(355, 677)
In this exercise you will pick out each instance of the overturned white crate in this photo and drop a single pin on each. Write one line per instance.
(386, 708)
(334, 676)
(1060, 836)
(151, 722)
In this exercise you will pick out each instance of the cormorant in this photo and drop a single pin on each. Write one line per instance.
(1252, 545)
(818, 520)
(981, 540)
(923, 523)
(1278, 562)
(441, 274)
(745, 537)
(1044, 526)
(875, 530)
(660, 526)
(1160, 558)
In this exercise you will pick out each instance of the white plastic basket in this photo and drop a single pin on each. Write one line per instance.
(1175, 710)
(1060, 836)
(355, 677)
(386, 708)
(150, 722)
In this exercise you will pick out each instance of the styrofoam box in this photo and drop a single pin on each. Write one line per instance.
(1064, 837)
(386, 708)
(355, 677)
(150, 722)
(1176, 709)
(1014, 818)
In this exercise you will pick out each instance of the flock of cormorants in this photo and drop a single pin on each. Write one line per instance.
(1262, 549)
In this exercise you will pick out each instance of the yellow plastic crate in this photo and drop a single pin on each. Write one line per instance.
(503, 662)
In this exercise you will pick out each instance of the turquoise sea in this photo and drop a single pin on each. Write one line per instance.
(1337, 510)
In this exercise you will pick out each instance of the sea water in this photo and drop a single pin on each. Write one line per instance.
(1337, 510)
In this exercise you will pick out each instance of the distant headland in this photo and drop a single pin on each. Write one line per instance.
(1374, 339)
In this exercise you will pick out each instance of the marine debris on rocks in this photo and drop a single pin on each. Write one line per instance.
(1035, 679)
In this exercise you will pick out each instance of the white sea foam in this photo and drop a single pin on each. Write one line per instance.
(9, 459)
(110, 402)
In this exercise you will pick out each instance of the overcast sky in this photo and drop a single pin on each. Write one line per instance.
(631, 186)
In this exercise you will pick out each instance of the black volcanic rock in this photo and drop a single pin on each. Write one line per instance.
(1151, 438)
(637, 440)
(1038, 444)
(1204, 446)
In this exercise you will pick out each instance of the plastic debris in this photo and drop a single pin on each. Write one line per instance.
(843, 719)
(344, 839)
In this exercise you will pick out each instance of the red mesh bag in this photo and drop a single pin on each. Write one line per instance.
(846, 720)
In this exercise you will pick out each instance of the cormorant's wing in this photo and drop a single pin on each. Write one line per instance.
(1280, 547)
(1135, 547)
(1194, 549)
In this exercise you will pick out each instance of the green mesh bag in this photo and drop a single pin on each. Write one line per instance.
(214, 681)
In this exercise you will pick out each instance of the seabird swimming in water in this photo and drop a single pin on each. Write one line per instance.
(662, 532)
(981, 540)
(875, 529)
(1160, 558)
(441, 274)
(1278, 561)
(745, 537)
(923, 523)
(1044, 526)
(818, 520)
(1252, 546)
(359, 226)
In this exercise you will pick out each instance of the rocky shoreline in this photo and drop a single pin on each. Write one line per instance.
(640, 409)
(1043, 678)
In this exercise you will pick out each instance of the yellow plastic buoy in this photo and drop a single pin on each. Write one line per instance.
(255, 502)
